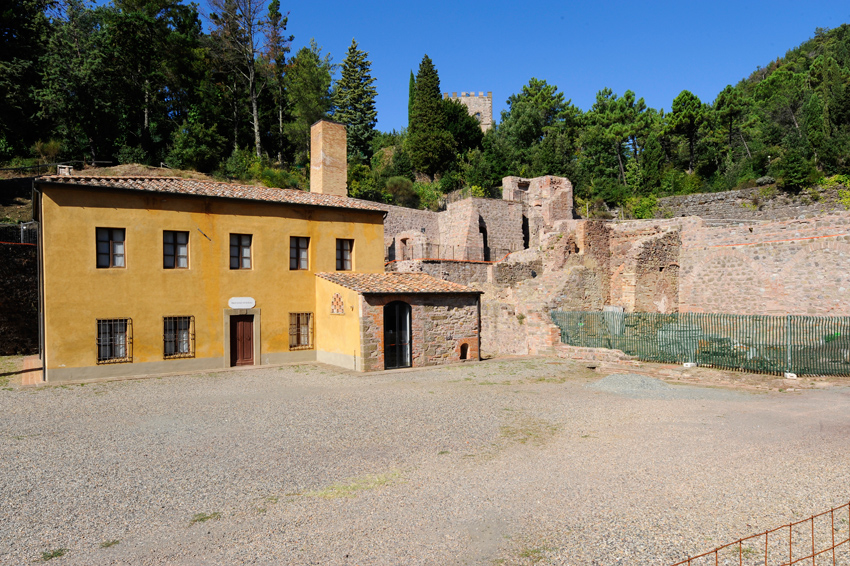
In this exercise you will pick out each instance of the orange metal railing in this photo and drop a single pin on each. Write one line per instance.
(819, 540)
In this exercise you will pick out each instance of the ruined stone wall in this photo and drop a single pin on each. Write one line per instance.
(503, 220)
(440, 326)
(644, 264)
(400, 219)
(502, 330)
(463, 272)
(509, 274)
(18, 299)
(784, 267)
(750, 204)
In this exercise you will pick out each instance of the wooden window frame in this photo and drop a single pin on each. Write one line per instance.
(110, 336)
(344, 254)
(170, 336)
(297, 260)
(175, 254)
(111, 242)
(240, 247)
(301, 331)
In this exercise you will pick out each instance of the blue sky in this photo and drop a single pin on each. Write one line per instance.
(656, 49)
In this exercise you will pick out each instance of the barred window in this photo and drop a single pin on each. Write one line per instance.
(298, 252)
(114, 340)
(240, 251)
(175, 250)
(300, 331)
(178, 336)
(110, 247)
(343, 254)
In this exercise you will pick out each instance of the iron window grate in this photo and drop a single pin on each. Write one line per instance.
(114, 340)
(178, 337)
(300, 331)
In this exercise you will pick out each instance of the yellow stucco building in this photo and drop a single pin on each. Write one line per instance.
(152, 275)
(156, 275)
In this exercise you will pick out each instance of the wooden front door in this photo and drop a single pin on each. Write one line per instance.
(242, 340)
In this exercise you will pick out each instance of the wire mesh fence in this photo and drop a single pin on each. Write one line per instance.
(820, 540)
(804, 345)
(423, 251)
(24, 233)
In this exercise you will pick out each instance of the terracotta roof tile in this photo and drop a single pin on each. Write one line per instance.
(392, 282)
(210, 189)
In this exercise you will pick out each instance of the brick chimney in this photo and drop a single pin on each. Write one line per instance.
(328, 158)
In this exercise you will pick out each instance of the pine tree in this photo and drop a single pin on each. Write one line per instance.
(431, 145)
(354, 99)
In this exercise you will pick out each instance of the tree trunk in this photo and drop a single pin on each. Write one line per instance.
(750, 155)
(280, 124)
(252, 89)
(235, 118)
(620, 160)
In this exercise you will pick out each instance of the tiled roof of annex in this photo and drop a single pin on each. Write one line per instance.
(393, 282)
(193, 187)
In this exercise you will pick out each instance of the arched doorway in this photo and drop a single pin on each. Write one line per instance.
(397, 341)
(482, 229)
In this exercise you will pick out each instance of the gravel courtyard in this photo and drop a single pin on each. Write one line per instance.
(515, 461)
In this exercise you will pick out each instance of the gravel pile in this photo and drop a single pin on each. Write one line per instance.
(503, 462)
(644, 387)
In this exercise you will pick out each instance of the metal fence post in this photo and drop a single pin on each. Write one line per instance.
(788, 341)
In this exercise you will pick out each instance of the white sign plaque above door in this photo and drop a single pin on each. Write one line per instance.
(241, 302)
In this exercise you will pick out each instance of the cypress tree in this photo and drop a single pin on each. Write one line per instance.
(354, 99)
(411, 94)
(431, 144)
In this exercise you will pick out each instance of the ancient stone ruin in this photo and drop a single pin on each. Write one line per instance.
(530, 254)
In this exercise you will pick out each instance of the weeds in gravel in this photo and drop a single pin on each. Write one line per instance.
(51, 554)
(533, 555)
(355, 485)
(441, 452)
(109, 543)
(528, 429)
(204, 517)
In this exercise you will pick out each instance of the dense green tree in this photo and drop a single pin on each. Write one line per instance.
(24, 31)
(465, 129)
(411, 94)
(277, 46)
(685, 118)
(308, 88)
(430, 144)
(354, 102)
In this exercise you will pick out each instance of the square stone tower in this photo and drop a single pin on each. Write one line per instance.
(328, 158)
(481, 106)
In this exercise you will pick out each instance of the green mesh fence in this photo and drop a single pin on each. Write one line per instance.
(805, 345)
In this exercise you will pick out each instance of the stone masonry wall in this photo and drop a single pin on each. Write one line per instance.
(503, 220)
(463, 272)
(18, 299)
(440, 326)
(784, 267)
(750, 204)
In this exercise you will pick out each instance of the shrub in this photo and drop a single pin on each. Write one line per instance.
(402, 192)
(766, 180)
(131, 154)
(429, 194)
(641, 207)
